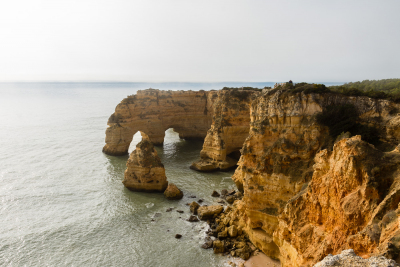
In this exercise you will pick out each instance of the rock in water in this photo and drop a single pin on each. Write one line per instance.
(193, 218)
(194, 206)
(209, 212)
(144, 171)
(215, 194)
(173, 192)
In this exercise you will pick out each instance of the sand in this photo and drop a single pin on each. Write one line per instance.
(259, 259)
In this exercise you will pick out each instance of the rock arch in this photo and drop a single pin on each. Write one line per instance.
(221, 118)
(153, 112)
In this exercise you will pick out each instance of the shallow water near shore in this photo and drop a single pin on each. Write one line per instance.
(62, 200)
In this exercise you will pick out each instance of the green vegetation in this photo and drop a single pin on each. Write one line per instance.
(382, 89)
(345, 118)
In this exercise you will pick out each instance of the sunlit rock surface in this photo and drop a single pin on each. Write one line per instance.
(144, 171)
(351, 202)
(221, 117)
(278, 155)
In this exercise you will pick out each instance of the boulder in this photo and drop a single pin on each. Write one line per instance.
(193, 218)
(194, 207)
(215, 194)
(230, 199)
(209, 212)
(218, 246)
(173, 192)
(232, 231)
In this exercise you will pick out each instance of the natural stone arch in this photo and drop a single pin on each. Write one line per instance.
(153, 112)
(221, 117)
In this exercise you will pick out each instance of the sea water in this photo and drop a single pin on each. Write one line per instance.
(62, 202)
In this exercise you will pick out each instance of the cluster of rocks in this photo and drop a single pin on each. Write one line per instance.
(224, 236)
(228, 196)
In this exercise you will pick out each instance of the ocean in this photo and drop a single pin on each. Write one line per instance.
(62, 200)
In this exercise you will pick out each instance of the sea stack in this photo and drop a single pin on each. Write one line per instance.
(144, 171)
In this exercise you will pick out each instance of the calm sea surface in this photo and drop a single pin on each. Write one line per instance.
(62, 202)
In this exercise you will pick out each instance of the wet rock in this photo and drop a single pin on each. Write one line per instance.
(169, 209)
(194, 206)
(243, 253)
(231, 192)
(178, 236)
(230, 199)
(180, 211)
(221, 202)
(209, 212)
(200, 200)
(218, 246)
(173, 192)
(207, 245)
(224, 192)
(215, 194)
(191, 196)
(193, 218)
(223, 234)
(232, 231)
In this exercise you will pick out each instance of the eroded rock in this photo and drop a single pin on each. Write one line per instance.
(144, 171)
(209, 212)
(173, 192)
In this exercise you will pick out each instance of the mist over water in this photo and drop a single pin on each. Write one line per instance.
(62, 202)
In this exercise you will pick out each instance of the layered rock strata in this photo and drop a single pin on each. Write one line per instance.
(278, 154)
(352, 201)
(221, 117)
(153, 112)
(144, 171)
(229, 129)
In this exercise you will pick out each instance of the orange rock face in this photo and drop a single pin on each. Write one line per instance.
(144, 171)
(278, 157)
(351, 202)
(229, 129)
(152, 112)
(221, 117)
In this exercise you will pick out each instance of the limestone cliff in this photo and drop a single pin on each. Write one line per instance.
(221, 117)
(153, 112)
(144, 171)
(352, 201)
(229, 129)
(278, 155)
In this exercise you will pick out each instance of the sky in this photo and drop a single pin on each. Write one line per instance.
(199, 41)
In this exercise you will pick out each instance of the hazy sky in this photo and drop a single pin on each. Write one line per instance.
(193, 40)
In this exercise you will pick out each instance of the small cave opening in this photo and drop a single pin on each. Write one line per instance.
(235, 155)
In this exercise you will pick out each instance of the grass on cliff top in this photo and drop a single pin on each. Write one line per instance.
(382, 89)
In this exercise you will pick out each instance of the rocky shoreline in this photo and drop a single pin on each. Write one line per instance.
(303, 192)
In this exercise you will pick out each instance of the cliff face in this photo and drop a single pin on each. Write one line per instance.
(153, 112)
(351, 202)
(229, 129)
(278, 155)
(221, 117)
(144, 171)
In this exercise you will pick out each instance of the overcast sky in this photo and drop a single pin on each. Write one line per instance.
(199, 41)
